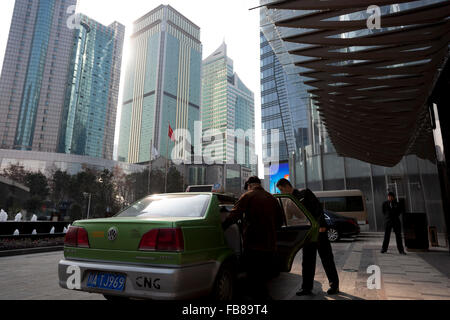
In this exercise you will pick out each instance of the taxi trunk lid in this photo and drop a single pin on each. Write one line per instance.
(122, 234)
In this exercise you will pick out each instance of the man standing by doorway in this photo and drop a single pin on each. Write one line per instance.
(392, 211)
(323, 246)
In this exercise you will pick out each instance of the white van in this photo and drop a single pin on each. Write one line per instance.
(349, 203)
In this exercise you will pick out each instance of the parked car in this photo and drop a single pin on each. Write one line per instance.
(340, 226)
(348, 203)
(172, 247)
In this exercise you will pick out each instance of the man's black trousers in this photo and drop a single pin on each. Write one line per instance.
(396, 225)
(323, 246)
(259, 267)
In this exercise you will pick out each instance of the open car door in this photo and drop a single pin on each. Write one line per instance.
(299, 228)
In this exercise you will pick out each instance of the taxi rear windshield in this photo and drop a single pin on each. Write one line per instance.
(177, 206)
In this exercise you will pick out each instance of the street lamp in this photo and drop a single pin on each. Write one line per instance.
(89, 204)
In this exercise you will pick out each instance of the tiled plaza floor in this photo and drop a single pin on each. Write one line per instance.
(418, 275)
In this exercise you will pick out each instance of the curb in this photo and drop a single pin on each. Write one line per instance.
(19, 252)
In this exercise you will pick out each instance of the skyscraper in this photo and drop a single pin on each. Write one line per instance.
(89, 113)
(162, 83)
(227, 105)
(284, 106)
(59, 83)
(33, 79)
(317, 165)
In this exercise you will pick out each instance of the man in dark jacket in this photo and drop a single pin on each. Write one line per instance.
(323, 246)
(392, 211)
(263, 216)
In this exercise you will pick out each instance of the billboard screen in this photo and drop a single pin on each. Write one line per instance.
(277, 172)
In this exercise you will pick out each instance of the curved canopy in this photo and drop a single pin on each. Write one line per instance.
(371, 85)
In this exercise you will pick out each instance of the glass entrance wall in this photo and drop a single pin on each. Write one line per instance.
(415, 181)
(333, 172)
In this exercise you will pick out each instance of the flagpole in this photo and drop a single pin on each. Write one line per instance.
(150, 164)
(167, 161)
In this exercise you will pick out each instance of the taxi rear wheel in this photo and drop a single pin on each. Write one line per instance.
(224, 285)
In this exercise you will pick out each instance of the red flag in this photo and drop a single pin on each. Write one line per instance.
(171, 135)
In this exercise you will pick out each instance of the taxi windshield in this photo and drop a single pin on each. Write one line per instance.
(177, 206)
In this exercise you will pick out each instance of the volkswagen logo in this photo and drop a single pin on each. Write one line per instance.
(112, 234)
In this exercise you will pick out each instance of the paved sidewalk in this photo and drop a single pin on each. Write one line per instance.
(416, 276)
(35, 277)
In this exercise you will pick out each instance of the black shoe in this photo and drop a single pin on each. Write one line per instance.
(304, 292)
(332, 291)
(383, 251)
(403, 253)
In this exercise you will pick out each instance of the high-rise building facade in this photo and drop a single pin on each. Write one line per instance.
(284, 107)
(227, 105)
(33, 79)
(89, 114)
(162, 84)
(319, 167)
(60, 81)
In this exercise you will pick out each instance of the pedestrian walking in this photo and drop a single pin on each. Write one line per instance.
(323, 246)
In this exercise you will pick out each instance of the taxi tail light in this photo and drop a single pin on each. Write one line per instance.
(148, 241)
(163, 240)
(83, 239)
(71, 237)
(170, 240)
(77, 237)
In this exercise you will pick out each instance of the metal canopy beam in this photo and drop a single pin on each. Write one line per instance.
(371, 86)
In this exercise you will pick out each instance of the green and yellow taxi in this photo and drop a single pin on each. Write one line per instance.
(171, 247)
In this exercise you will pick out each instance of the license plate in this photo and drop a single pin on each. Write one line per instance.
(106, 281)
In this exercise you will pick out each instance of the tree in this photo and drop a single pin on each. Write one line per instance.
(110, 191)
(121, 185)
(75, 212)
(34, 204)
(39, 190)
(83, 182)
(38, 184)
(139, 185)
(106, 200)
(156, 181)
(15, 172)
(174, 181)
(102, 187)
(60, 186)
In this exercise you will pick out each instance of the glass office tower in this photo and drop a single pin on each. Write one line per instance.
(32, 83)
(60, 81)
(162, 84)
(284, 106)
(227, 105)
(89, 114)
(317, 165)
